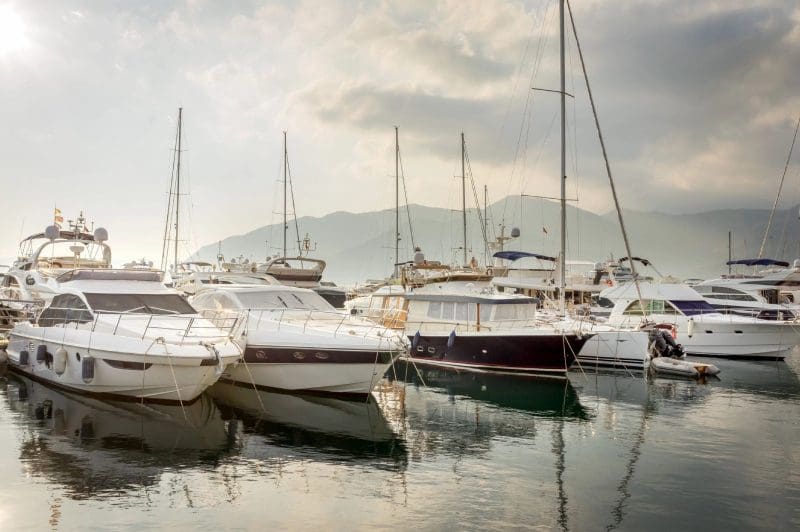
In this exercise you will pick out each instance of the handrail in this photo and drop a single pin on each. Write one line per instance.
(336, 322)
(187, 327)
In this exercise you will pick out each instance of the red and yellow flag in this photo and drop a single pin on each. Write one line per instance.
(57, 218)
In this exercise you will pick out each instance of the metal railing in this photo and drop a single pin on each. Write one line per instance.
(335, 322)
(184, 328)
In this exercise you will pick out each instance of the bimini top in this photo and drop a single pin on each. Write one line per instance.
(65, 235)
(758, 262)
(516, 255)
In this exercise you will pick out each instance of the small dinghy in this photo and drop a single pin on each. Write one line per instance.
(682, 368)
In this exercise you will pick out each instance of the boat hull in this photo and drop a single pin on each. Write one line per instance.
(615, 349)
(515, 353)
(116, 374)
(349, 372)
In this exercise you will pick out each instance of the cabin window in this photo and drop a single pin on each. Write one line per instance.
(435, 310)
(461, 312)
(448, 311)
(65, 308)
(652, 306)
(513, 312)
(140, 303)
(694, 307)
(486, 312)
(283, 300)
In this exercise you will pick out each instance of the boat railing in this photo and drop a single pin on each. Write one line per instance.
(335, 322)
(470, 326)
(169, 328)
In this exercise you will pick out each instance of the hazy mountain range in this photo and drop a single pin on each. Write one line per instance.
(360, 246)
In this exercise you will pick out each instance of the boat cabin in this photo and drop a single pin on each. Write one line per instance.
(469, 312)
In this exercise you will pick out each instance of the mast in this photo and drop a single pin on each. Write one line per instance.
(285, 169)
(178, 187)
(396, 199)
(486, 224)
(729, 253)
(464, 196)
(563, 265)
(780, 187)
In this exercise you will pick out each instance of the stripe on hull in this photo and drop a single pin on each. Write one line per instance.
(309, 355)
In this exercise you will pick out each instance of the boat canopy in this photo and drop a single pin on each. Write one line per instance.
(516, 255)
(758, 262)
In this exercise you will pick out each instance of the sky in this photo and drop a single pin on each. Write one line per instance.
(698, 102)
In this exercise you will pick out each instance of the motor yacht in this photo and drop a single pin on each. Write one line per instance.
(122, 334)
(295, 340)
(487, 331)
(769, 295)
(700, 328)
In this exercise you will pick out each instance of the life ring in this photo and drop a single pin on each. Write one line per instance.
(489, 271)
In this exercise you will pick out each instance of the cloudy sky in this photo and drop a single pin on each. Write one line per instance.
(698, 101)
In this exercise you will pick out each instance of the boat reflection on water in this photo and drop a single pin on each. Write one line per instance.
(540, 396)
(96, 448)
(311, 427)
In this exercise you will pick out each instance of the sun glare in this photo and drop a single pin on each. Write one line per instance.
(12, 31)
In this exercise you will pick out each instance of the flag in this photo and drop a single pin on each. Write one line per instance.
(57, 218)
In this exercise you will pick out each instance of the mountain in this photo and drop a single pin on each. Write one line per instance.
(360, 246)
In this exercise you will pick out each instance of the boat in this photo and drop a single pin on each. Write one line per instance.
(25, 287)
(122, 334)
(700, 328)
(682, 368)
(194, 282)
(295, 340)
(487, 332)
(768, 295)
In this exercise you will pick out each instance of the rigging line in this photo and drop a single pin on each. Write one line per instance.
(405, 195)
(775, 205)
(538, 57)
(475, 196)
(608, 165)
(294, 210)
(167, 223)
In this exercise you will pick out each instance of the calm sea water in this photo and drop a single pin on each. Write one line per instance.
(433, 450)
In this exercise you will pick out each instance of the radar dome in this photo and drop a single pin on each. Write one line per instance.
(515, 232)
(52, 232)
(101, 234)
(419, 258)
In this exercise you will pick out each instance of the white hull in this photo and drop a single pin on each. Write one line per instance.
(340, 378)
(733, 336)
(615, 349)
(118, 372)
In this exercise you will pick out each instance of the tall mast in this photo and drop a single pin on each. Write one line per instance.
(486, 224)
(285, 169)
(178, 186)
(464, 196)
(730, 252)
(563, 265)
(396, 199)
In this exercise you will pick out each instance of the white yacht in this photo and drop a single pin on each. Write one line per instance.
(122, 334)
(295, 340)
(700, 328)
(770, 295)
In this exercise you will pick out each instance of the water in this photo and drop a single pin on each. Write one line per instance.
(597, 452)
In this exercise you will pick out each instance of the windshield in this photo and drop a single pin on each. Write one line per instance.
(140, 303)
(283, 300)
(693, 308)
(233, 279)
